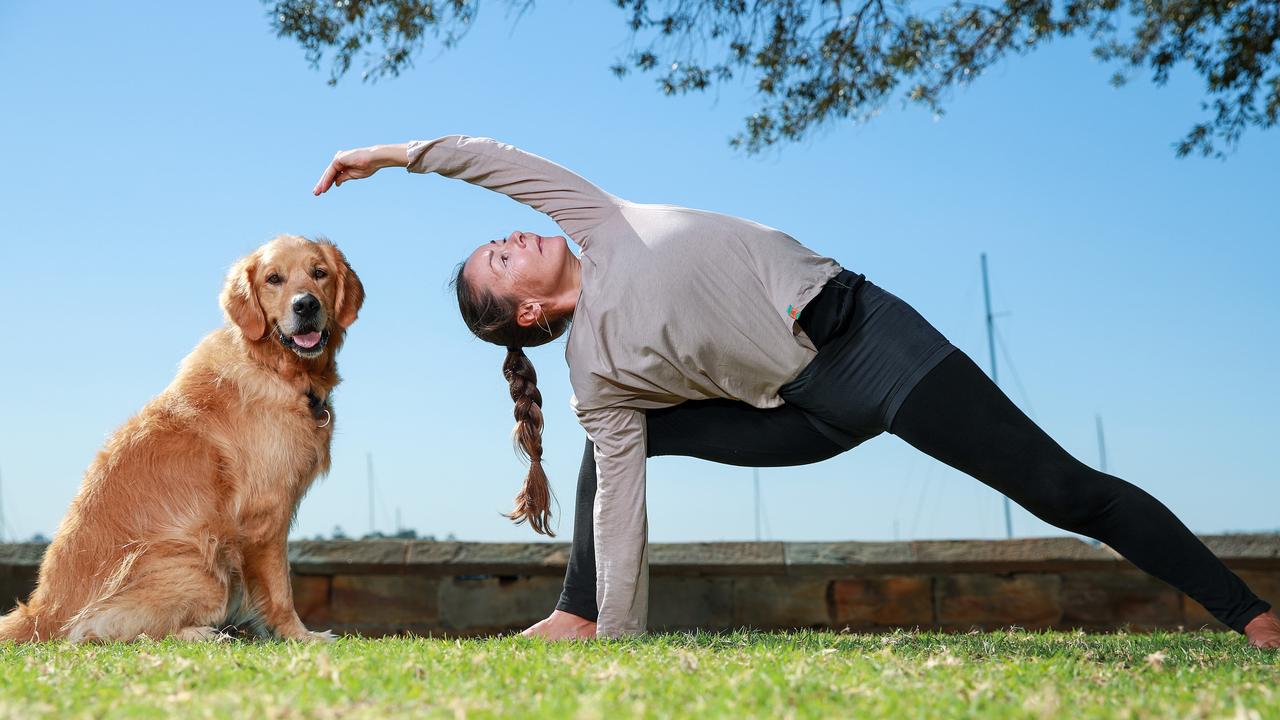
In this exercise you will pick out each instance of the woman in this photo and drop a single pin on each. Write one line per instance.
(712, 336)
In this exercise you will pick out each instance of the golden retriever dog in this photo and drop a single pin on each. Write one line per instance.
(180, 525)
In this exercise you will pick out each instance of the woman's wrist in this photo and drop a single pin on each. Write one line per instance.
(391, 155)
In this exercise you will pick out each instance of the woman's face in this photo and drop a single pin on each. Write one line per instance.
(523, 266)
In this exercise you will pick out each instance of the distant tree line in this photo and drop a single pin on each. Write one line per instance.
(403, 534)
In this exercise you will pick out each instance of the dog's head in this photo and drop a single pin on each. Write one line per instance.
(297, 291)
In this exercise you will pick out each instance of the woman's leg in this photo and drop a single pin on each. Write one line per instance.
(957, 415)
(722, 431)
(578, 596)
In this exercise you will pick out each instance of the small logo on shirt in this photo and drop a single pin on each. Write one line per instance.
(793, 312)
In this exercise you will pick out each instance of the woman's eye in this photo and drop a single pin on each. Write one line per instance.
(504, 261)
(319, 273)
(274, 279)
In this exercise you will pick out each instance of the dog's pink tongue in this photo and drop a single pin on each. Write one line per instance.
(309, 340)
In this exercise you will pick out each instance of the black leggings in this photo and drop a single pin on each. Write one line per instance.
(955, 414)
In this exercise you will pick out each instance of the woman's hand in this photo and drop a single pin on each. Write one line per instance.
(361, 163)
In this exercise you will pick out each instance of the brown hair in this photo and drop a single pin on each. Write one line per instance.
(493, 319)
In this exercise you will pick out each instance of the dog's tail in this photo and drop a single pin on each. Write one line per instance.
(20, 625)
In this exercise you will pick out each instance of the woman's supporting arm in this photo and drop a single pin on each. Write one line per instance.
(620, 519)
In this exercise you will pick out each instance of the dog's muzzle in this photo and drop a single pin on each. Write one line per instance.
(308, 336)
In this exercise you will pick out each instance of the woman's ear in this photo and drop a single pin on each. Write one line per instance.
(240, 300)
(528, 313)
(350, 293)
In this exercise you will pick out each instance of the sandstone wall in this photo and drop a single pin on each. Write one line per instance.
(380, 587)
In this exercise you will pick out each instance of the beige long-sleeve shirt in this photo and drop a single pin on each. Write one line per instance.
(676, 305)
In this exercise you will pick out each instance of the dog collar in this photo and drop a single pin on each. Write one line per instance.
(318, 410)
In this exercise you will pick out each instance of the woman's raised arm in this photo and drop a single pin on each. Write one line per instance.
(575, 204)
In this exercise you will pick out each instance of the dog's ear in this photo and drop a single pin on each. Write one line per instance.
(240, 302)
(349, 295)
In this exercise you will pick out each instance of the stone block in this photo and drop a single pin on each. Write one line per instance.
(780, 603)
(22, 554)
(428, 557)
(311, 599)
(1264, 583)
(690, 603)
(1105, 600)
(348, 557)
(1245, 550)
(510, 559)
(1008, 556)
(994, 601)
(384, 604)
(867, 603)
(721, 558)
(495, 604)
(16, 584)
(827, 558)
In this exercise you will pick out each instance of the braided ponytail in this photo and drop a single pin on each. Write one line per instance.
(533, 503)
(492, 318)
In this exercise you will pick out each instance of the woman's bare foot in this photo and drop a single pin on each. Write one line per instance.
(1262, 631)
(562, 626)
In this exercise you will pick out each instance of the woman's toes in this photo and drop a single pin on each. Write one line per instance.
(537, 630)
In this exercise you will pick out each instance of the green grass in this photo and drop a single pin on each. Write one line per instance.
(807, 674)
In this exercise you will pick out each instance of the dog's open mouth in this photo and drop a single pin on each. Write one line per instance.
(308, 344)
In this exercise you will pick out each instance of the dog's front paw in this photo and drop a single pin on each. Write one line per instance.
(320, 636)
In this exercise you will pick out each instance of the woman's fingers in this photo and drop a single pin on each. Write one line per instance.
(326, 180)
(346, 165)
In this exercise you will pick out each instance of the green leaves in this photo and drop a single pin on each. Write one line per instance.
(817, 61)
(386, 33)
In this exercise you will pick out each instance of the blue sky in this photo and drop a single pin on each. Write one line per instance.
(148, 147)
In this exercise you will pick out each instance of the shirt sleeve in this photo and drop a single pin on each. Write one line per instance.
(575, 204)
(620, 520)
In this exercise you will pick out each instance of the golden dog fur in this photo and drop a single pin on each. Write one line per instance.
(181, 523)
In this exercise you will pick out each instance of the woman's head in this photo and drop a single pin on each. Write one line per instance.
(537, 275)
(521, 292)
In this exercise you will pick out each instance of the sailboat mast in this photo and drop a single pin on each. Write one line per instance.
(995, 375)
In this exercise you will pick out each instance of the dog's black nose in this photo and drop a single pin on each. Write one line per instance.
(306, 306)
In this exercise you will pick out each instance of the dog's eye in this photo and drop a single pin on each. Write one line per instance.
(274, 279)
(319, 273)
